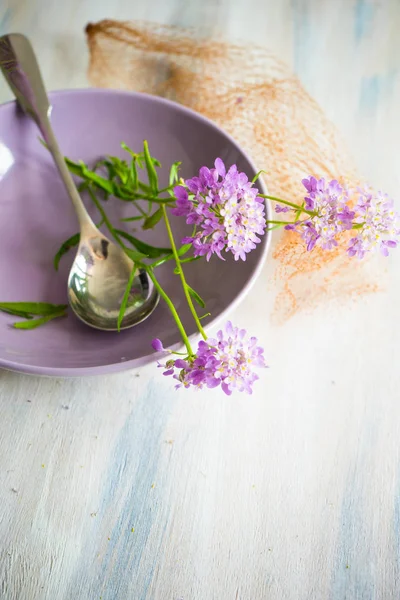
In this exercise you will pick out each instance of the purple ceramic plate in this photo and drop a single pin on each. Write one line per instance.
(37, 216)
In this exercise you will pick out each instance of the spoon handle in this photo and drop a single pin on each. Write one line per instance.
(21, 71)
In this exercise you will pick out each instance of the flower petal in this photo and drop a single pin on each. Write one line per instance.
(157, 345)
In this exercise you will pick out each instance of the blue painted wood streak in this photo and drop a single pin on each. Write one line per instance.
(370, 91)
(302, 38)
(128, 501)
(354, 574)
(396, 530)
(373, 88)
(5, 20)
(364, 13)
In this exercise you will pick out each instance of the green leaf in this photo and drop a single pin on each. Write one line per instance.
(174, 173)
(196, 297)
(128, 149)
(274, 227)
(83, 186)
(33, 308)
(134, 255)
(134, 174)
(183, 249)
(82, 170)
(138, 157)
(123, 193)
(190, 259)
(108, 166)
(65, 247)
(257, 175)
(103, 162)
(153, 219)
(74, 167)
(151, 171)
(144, 187)
(16, 313)
(121, 169)
(93, 177)
(127, 219)
(162, 260)
(125, 299)
(150, 251)
(70, 243)
(159, 200)
(38, 322)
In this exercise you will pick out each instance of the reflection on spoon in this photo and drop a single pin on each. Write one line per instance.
(6, 160)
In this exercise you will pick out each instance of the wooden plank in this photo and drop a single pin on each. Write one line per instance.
(117, 487)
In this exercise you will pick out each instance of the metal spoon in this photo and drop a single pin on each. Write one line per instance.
(101, 270)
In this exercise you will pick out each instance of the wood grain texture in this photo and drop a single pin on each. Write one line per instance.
(119, 488)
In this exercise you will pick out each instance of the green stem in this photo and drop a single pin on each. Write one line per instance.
(182, 275)
(280, 222)
(150, 273)
(172, 308)
(154, 199)
(295, 206)
(298, 212)
(167, 189)
(142, 212)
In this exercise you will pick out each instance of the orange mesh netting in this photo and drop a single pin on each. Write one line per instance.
(253, 96)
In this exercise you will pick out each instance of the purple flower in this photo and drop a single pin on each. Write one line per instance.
(313, 185)
(220, 167)
(309, 234)
(282, 209)
(183, 205)
(226, 210)
(226, 361)
(157, 345)
(377, 224)
(328, 213)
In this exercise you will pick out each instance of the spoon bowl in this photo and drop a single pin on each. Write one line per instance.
(97, 284)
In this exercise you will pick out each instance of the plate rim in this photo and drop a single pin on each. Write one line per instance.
(70, 372)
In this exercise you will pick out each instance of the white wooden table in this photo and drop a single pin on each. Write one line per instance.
(119, 488)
